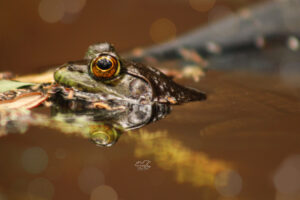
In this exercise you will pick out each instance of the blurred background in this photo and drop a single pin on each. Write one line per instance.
(39, 33)
(252, 143)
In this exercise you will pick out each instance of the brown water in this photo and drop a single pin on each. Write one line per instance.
(242, 143)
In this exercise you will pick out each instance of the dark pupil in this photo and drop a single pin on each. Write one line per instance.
(104, 64)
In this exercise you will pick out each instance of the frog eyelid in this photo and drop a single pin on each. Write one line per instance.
(108, 54)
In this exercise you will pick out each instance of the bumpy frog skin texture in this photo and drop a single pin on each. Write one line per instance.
(136, 83)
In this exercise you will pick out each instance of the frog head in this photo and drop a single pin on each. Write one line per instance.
(104, 76)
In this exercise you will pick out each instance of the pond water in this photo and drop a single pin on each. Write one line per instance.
(241, 143)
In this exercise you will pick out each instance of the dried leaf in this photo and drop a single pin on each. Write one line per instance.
(25, 101)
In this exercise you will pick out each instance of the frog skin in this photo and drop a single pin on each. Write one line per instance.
(132, 82)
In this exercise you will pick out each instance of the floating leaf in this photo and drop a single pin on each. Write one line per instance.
(6, 85)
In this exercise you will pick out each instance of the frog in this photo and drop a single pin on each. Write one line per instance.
(103, 79)
(104, 90)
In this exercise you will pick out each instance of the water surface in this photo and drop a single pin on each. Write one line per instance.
(241, 142)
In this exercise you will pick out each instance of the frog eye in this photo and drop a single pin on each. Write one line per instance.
(105, 67)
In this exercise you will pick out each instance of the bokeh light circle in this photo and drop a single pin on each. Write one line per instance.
(104, 192)
(228, 183)
(89, 178)
(73, 6)
(202, 5)
(2, 197)
(34, 160)
(287, 176)
(162, 29)
(51, 11)
(293, 43)
(41, 188)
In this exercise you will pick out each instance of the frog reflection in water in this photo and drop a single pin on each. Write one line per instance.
(104, 127)
(116, 91)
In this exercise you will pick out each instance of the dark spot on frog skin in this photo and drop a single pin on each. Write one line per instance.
(75, 68)
(138, 88)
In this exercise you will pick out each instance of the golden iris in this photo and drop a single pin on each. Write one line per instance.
(105, 67)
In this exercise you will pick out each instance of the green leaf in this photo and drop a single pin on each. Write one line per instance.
(6, 85)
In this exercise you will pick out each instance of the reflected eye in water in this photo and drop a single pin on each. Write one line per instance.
(105, 67)
(104, 135)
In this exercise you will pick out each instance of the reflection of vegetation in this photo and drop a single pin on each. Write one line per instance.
(169, 154)
(101, 127)
(101, 133)
(18, 120)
